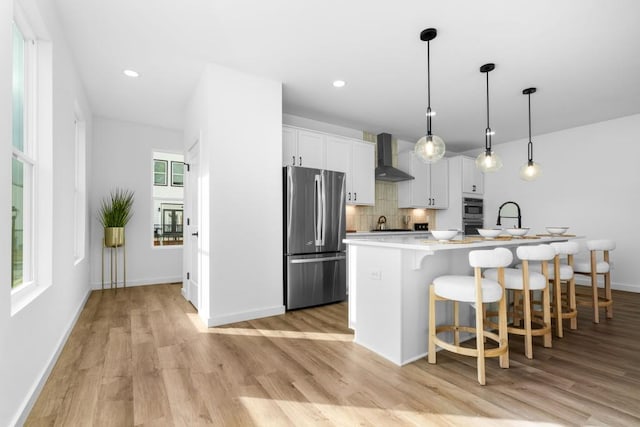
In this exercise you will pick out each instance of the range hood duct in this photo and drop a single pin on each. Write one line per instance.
(384, 171)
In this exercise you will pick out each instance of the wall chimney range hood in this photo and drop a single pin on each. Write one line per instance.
(385, 171)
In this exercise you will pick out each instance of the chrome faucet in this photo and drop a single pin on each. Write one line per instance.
(500, 216)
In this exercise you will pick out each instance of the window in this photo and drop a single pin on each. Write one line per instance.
(80, 188)
(177, 174)
(23, 165)
(31, 163)
(160, 172)
(168, 200)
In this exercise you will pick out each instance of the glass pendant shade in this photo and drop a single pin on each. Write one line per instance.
(530, 171)
(429, 148)
(488, 161)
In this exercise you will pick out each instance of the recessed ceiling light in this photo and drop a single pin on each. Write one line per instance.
(339, 83)
(131, 73)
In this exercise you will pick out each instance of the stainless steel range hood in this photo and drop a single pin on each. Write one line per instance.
(385, 171)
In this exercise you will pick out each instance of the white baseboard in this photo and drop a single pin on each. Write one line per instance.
(33, 394)
(245, 315)
(141, 282)
(586, 281)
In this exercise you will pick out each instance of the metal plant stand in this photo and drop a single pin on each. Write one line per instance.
(113, 265)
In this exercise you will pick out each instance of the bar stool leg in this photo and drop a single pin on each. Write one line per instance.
(546, 317)
(571, 290)
(594, 288)
(607, 288)
(479, 331)
(502, 323)
(456, 323)
(431, 356)
(528, 340)
(557, 290)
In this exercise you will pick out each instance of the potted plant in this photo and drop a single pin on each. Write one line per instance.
(114, 213)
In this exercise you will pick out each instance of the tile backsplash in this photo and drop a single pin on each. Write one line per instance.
(365, 218)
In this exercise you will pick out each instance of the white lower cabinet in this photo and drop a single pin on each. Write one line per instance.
(429, 189)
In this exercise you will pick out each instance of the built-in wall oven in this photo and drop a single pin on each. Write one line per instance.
(472, 215)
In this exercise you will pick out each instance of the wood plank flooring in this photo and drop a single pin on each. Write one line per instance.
(142, 357)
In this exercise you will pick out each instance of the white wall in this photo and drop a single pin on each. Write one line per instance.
(241, 172)
(123, 157)
(31, 339)
(590, 182)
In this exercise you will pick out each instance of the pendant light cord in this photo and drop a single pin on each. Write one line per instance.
(487, 131)
(530, 145)
(428, 90)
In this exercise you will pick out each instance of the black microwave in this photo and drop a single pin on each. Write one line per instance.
(472, 208)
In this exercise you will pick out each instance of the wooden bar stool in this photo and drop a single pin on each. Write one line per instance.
(593, 266)
(563, 304)
(476, 290)
(524, 282)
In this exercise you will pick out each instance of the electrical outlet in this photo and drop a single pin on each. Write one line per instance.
(376, 275)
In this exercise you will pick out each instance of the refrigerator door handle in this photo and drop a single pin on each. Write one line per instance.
(311, 260)
(317, 211)
(323, 225)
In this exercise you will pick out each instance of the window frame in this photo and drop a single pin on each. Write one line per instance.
(173, 184)
(37, 151)
(166, 172)
(80, 187)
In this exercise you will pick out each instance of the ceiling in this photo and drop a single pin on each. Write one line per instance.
(582, 55)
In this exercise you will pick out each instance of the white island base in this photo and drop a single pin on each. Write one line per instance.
(389, 281)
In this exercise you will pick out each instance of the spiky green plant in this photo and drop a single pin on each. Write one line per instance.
(116, 210)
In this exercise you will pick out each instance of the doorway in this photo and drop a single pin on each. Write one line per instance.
(191, 286)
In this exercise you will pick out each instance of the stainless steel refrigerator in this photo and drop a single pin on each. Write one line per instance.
(314, 227)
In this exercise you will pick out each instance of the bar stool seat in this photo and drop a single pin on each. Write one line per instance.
(462, 288)
(522, 282)
(584, 266)
(477, 291)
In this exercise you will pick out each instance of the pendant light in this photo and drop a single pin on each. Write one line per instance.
(488, 161)
(531, 170)
(430, 148)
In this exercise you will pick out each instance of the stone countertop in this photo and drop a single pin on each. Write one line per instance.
(359, 234)
(423, 242)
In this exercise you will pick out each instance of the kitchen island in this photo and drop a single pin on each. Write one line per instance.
(388, 281)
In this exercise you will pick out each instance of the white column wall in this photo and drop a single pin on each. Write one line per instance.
(31, 339)
(241, 152)
(590, 182)
(123, 158)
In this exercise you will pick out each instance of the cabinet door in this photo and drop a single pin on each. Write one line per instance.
(363, 173)
(310, 149)
(413, 193)
(439, 184)
(338, 158)
(289, 147)
(472, 177)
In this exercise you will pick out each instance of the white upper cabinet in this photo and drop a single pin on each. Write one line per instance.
(363, 174)
(429, 189)
(301, 147)
(439, 184)
(356, 160)
(472, 177)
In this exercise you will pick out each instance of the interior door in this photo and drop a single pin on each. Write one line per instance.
(193, 247)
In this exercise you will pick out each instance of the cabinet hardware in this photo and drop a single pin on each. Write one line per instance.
(195, 234)
(294, 160)
(355, 197)
(349, 195)
(300, 161)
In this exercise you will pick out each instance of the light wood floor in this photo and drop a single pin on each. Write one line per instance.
(141, 357)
